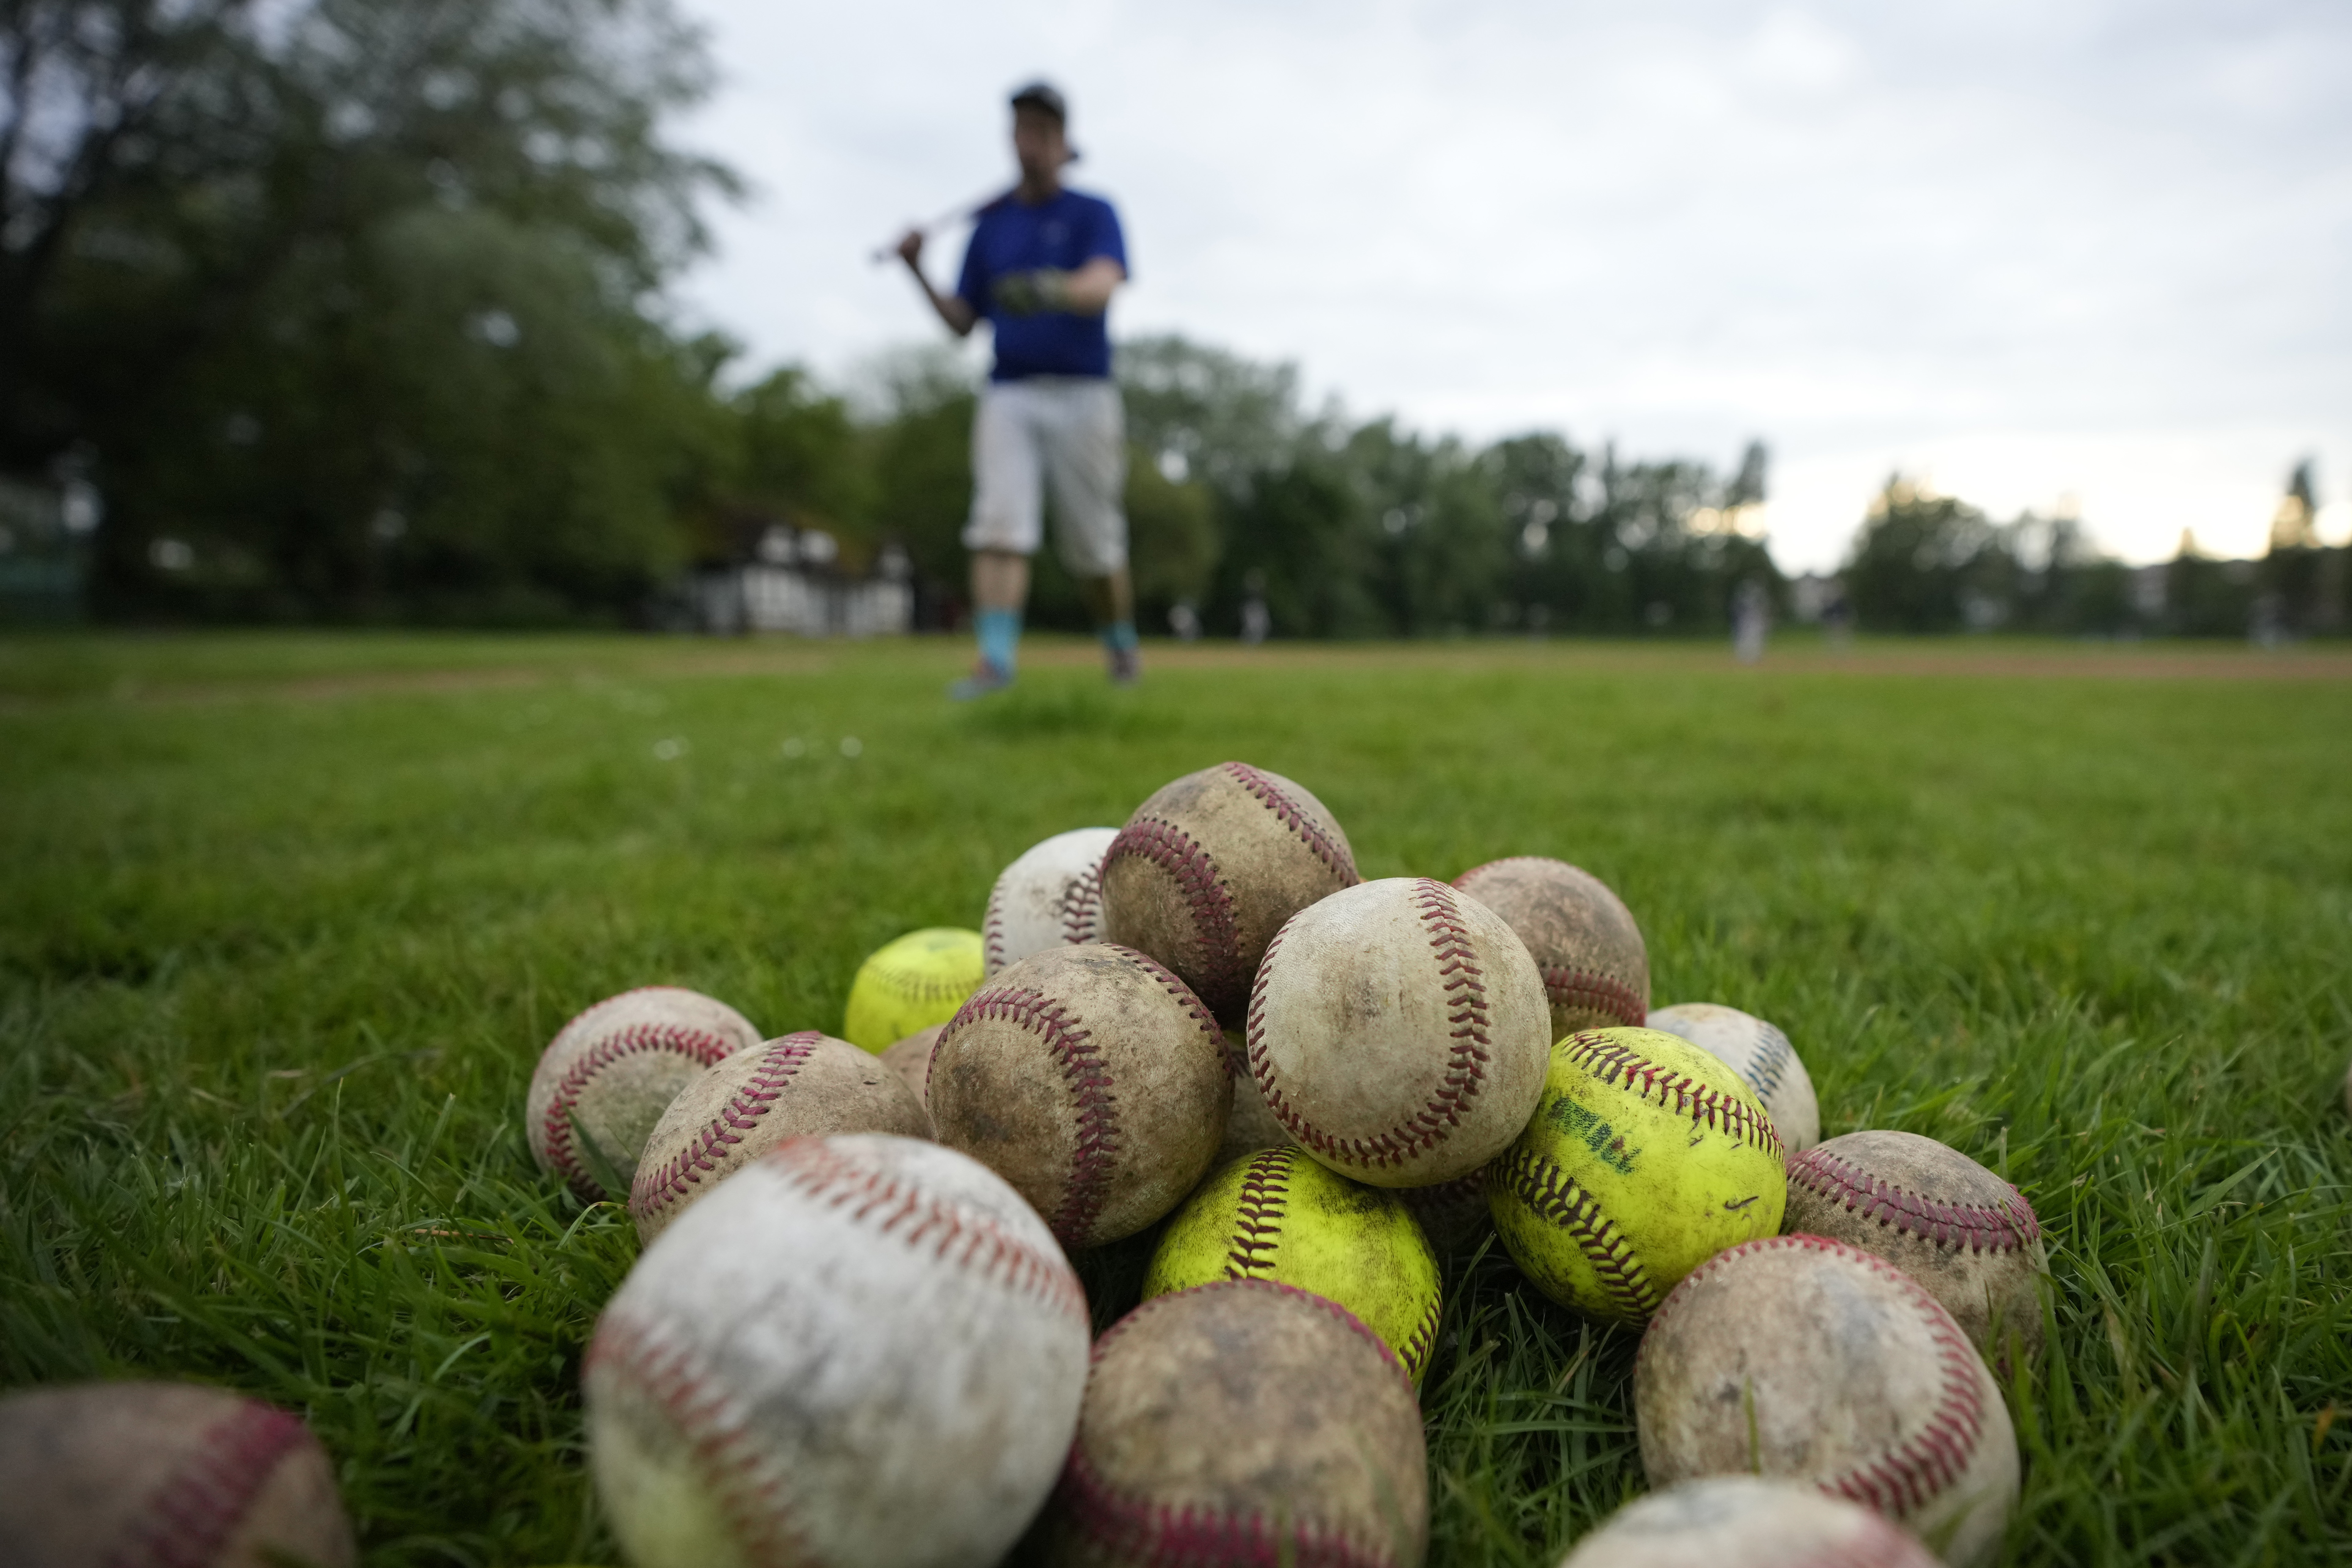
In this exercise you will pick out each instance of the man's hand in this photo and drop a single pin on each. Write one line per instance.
(1033, 293)
(911, 249)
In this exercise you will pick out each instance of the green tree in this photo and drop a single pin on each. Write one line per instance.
(1924, 563)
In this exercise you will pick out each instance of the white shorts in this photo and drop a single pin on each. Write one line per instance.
(1067, 432)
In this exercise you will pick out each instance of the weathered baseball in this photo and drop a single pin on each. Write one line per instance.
(100, 1474)
(1762, 1057)
(1454, 1214)
(1398, 1031)
(1645, 1157)
(1251, 1126)
(862, 1349)
(802, 1085)
(613, 1069)
(1278, 1215)
(1596, 972)
(1093, 1081)
(1050, 897)
(1801, 1357)
(1243, 1422)
(910, 1059)
(1968, 1236)
(1745, 1522)
(1208, 869)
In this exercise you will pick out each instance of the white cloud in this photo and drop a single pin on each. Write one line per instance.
(2089, 248)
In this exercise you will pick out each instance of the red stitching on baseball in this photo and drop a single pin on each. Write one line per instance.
(1292, 815)
(1088, 1076)
(992, 931)
(1194, 872)
(190, 1516)
(656, 1189)
(1082, 908)
(1978, 1227)
(958, 1234)
(1608, 1058)
(1423, 1338)
(1135, 1530)
(1258, 1211)
(1567, 988)
(1558, 1199)
(1465, 986)
(700, 1046)
(715, 1425)
(1916, 1470)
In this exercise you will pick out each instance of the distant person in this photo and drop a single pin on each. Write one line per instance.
(1041, 267)
(1751, 617)
(1837, 618)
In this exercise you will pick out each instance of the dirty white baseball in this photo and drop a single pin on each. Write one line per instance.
(1961, 1231)
(126, 1475)
(1804, 1358)
(1745, 1522)
(1050, 897)
(1762, 1057)
(613, 1069)
(860, 1350)
(1399, 1032)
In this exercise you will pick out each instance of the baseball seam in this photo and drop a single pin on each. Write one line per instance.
(746, 1482)
(1291, 815)
(1192, 1535)
(1417, 1347)
(1611, 1060)
(1084, 1069)
(1568, 987)
(1915, 1472)
(1773, 1055)
(1559, 1200)
(1257, 1215)
(698, 1046)
(657, 1189)
(917, 985)
(1082, 908)
(959, 1234)
(1979, 1227)
(188, 1518)
(1194, 872)
(1465, 984)
(991, 930)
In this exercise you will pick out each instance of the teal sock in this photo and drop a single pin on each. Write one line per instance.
(1000, 636)
(1120, 636)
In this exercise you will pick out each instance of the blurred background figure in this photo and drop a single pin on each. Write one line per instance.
(1257, 621)
(1040, 268)
(1837, 618)
(1751, 617)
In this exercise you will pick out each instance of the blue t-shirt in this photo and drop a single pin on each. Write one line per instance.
(1066, 233)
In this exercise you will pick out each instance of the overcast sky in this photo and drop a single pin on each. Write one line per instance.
(2031, 251)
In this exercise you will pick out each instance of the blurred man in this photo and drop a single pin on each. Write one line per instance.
(1042, 266)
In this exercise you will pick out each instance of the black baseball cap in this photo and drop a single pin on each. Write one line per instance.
(1045, 95)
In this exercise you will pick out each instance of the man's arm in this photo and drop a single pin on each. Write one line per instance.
(953, 309)
(1081, 291)
(1087, 291)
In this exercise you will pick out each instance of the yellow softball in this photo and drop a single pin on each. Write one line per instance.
(911, 984)
(1646, 1158)
(1277, 1215)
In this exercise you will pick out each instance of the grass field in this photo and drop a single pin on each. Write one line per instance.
(289, 918)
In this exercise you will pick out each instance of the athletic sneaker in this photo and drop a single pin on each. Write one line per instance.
(1126, 666)
(985, 678)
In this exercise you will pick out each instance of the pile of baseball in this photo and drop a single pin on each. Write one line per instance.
(855, 1335)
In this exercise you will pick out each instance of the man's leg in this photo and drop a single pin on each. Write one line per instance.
(1084, 444)
(1007, 516)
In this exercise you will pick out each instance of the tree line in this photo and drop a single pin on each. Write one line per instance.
(354, 310)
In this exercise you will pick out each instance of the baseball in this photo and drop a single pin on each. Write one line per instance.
(863, 1349)
(1645, 1157)
(910, 984)
(1050, 897)
(1243, 1422)
(1279, 1215)
(1745, 1522)
(802, 1085)
(1398, 1032)
(1801, 1357)
(1596, 972)
(608, 1075)
(1961, 1231)
(1093, 1081)
(1761, 1054)
(910, 1059)
(98, 1475)
(1209, 868)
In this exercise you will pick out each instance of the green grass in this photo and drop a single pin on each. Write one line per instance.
(286, 920)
